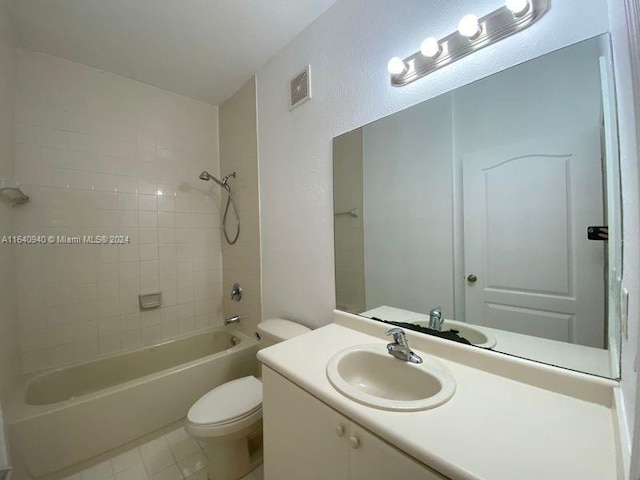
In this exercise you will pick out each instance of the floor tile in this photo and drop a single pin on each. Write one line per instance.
(185, 448)
(177, 436)
(171, 473)
(159, 462)
(126, 461)
(134, 473)
(173, 456)
(259, 472)
(199, 475)
(77, 476)
(193, 463)
(154, 447)
(102, 471)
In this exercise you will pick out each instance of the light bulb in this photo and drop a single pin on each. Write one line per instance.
(517, 7)
(430, 47)
(396, 66)
(469, 26)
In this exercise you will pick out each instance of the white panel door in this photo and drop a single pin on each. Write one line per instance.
(526, 211)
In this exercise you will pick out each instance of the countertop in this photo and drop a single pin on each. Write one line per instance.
(496, 426)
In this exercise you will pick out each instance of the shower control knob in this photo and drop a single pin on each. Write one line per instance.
(472, 278)
(236, 293)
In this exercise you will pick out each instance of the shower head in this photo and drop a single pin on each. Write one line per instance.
(206, 176)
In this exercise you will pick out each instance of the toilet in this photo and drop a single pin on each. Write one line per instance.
(229, 417)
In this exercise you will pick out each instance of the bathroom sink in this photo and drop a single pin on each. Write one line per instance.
(476, 335)
(369, 375)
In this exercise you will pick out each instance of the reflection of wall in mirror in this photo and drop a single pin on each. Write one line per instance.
(411, 157)
(408, 201)
(348, 228)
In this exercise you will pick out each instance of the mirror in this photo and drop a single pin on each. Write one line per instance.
(498, 202)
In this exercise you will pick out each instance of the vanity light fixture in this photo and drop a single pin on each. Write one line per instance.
(430, 47)
(469, 27)
(518, 7)
(473, 34)
(397, 66)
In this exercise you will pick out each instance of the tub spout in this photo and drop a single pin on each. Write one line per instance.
(230, 320)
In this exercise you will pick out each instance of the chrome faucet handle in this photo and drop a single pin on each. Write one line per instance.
(435, 318)
(399, 337)
(236, 292)
(399, 348)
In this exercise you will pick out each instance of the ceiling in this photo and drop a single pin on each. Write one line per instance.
(204, 49)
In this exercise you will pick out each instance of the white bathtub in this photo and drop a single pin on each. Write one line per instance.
(68, 415)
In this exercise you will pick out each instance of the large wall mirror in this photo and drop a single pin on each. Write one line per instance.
(498, 202)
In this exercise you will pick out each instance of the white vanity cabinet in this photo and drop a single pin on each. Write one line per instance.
(306, 439)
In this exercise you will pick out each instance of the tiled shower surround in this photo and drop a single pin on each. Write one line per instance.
(103, 155)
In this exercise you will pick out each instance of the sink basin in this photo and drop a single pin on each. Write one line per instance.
(476, 335)
(369, 375)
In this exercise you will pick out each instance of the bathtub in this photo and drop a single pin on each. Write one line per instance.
(64, 416)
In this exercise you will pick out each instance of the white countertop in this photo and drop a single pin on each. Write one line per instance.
(494, 428)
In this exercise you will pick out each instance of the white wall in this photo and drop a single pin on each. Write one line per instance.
(348, 48)
(408, 208)
(9, 344)
(629, 155)
(103, 155)
(239, 153)
(349, 230)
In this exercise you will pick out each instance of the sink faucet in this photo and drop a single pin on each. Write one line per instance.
(399, 348)
(435, 319)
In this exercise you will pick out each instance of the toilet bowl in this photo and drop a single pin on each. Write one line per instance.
(228, 419)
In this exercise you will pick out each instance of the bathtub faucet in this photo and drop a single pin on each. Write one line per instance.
(230, 320)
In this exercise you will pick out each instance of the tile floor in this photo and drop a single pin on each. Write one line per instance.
(173, 456)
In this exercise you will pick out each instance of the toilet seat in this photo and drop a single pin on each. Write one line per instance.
(226, 409)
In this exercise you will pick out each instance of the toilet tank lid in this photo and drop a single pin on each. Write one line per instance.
(280, 329)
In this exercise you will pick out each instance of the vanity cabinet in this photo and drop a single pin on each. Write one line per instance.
(304, 438)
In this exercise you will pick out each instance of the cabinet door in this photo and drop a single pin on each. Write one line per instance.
(373, 459)
(303, 438)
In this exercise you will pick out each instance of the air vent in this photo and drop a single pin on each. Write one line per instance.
(300, 90)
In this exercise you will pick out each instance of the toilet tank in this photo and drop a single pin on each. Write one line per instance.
(276, 330)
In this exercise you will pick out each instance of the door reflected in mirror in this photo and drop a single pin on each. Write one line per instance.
(480, 202)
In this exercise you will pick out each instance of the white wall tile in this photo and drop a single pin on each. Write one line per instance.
(87, 149)
(147, 203)
(80, 180)
(105, 182)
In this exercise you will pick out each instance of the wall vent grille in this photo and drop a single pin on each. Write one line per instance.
(300, 88)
